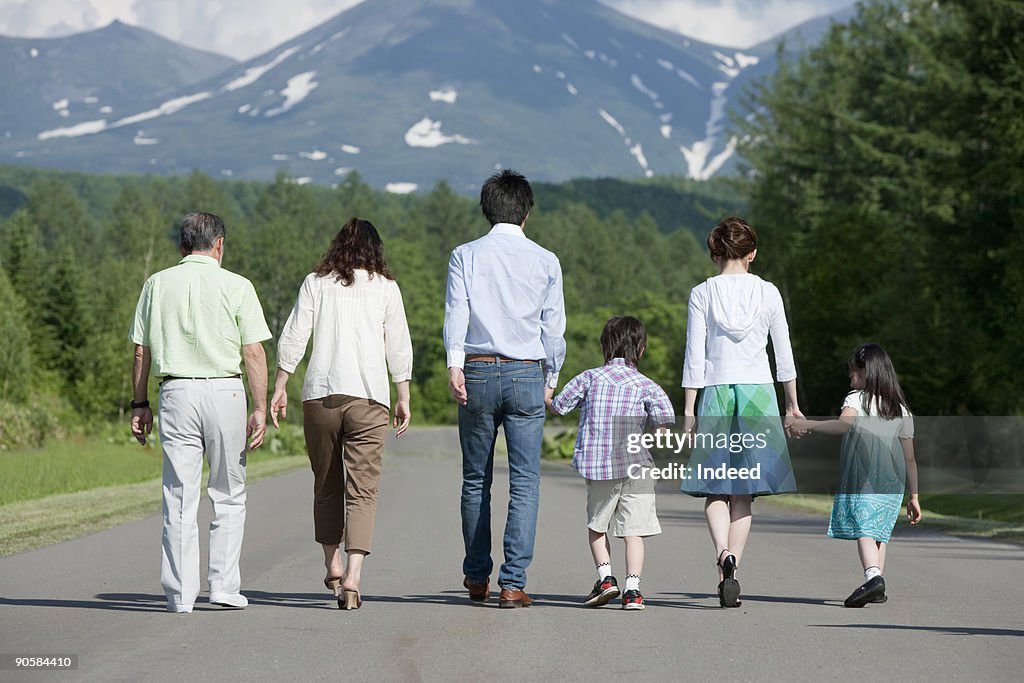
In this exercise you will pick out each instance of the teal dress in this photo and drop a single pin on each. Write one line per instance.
(872, 474)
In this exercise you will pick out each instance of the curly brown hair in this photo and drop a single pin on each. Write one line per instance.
(357, 245)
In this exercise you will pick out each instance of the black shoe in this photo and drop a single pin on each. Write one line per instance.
(604, 590)
(729, 588)
(880, 599)
(869, 591)
(632, 599)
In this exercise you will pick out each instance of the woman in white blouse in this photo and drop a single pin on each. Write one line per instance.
(739, 448)
(352, 307)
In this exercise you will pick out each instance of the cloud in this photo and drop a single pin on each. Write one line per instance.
(731, 23)
(47, 18)
(240, 28)
(246, 28)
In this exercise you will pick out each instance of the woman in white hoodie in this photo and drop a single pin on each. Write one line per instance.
(739, 444)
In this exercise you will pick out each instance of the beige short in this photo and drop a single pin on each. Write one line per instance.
(623, 506)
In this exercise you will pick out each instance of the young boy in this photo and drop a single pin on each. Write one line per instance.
(615, 401)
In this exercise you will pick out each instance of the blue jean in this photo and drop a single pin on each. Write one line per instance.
(509, 393)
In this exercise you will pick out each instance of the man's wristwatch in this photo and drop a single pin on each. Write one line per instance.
(139, 404)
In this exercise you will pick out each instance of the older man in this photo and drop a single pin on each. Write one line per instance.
(195, 324)
(504, 329)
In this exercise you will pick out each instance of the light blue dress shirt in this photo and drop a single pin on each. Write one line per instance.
(505, 299)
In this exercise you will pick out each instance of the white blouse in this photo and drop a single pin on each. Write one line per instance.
(728, 322)
(359, 333)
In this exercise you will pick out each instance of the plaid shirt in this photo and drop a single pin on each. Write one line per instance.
(615, 400)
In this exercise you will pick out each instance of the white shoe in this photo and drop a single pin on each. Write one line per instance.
(232, 600)
(179, 609)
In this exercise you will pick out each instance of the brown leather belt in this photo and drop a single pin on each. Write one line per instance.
(499, 359)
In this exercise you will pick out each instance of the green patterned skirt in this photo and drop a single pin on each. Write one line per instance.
(740, 444)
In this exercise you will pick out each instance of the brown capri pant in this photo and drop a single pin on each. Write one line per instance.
(345, 440)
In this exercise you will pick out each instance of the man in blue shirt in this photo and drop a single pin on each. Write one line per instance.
(504, 328)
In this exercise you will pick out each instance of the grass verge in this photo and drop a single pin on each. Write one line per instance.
(39, 522)
(934, 513)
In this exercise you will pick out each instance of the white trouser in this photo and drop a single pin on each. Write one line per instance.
(202, 416)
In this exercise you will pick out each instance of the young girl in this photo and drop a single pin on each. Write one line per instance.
(877, 457)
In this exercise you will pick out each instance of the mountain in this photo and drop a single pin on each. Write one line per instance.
(48, 82)
(411, 92)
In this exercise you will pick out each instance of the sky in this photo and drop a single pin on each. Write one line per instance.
(246, 28)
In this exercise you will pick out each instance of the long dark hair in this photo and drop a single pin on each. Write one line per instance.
(881, 384)
(357, 245)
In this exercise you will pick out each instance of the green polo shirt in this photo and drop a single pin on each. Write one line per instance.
(195, 317)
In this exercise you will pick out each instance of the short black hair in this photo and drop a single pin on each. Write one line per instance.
(624, 337)
(506, 197)
(200, 230)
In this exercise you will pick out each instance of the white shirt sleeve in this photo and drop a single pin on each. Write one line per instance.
(397, 342)
(785, 366)
(456, 312)
(696, 341)
(291, 347)
(552, 326)
(907, 428)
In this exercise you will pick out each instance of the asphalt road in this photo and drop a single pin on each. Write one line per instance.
(954, 610)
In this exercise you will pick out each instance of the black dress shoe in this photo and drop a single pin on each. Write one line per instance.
(869, 591)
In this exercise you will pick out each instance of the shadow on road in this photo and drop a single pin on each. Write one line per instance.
(125, 602)
(745, 597)
(948, 630)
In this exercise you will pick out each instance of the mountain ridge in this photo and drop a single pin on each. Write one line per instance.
(409, 93)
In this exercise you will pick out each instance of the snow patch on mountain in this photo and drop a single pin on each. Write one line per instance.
(141, 139)
(168, 107)
(298, 89)
(254, 73)
(447, 95)
(342, 170)
(698, 165)
(350, 149)
(666, 131)
(571, 88)
(638, 151)
(639, 85)
(427, 133)
(84, 128)
(611, 121)
(320, 46)
(61, 104)
(33, 53)
(567, 38)
(315, 155)
(401, 188)
(279, 157)
(743, 61)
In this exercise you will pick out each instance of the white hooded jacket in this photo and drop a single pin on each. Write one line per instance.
(728, 322)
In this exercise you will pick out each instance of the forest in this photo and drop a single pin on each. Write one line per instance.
(883, 170)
